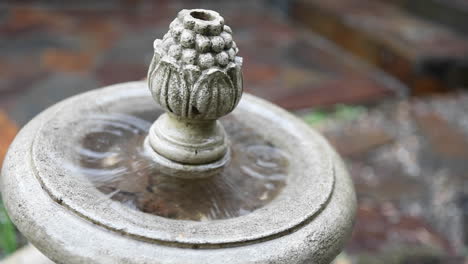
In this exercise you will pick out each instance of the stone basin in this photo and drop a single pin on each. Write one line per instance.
(64, 215)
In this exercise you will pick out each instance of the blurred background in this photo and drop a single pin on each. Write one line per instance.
(384, 80)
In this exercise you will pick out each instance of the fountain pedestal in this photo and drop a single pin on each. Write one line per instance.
(70, 220)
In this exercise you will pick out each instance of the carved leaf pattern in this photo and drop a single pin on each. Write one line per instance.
(169, 89)
(213, 96)
(155, 60)
(189, 93)
(235, 73)
(153, 64)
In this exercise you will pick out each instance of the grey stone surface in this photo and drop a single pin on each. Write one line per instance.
(196, 77)
(307, 223)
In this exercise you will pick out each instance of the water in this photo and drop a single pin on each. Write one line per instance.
(112, 157)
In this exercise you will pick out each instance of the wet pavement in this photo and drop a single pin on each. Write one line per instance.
(50, 51)
(408, 160)
(427, 56)
(407, 157)
(452, 13)
(8, 131)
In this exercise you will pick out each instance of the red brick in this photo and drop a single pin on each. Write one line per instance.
(61, 60)
(426, 56)
(8, 131)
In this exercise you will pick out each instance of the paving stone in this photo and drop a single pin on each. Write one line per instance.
(362, 142)
(411, 180)
(17, 74)
(7, 132)
(426, 56)
(60, 60)
(452, 13)
(297, 69)
(115, 72)
(379, 227)
(133, 47)
(113, 43)
(314, 72)
(21, 19)
(31, 44)
(445, 140)
(46, 92)
(411, 187)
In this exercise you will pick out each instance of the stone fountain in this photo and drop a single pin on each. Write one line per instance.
(220, 177)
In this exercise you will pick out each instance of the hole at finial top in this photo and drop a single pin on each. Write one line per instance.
(202, 15)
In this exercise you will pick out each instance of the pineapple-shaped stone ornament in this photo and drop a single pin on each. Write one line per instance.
(196, 77)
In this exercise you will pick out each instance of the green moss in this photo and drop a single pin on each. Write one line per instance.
(315, 118)
(339, 112)
(8, 242)
(344, 112)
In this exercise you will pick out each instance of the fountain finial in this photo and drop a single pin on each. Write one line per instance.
(195, 75)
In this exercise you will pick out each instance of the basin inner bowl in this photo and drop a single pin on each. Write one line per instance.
(109, 151)
(307, 187)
